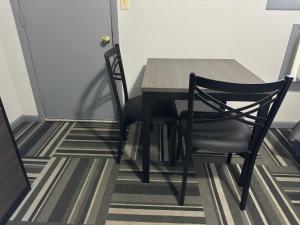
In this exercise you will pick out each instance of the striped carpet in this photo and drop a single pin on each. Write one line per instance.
(75, 180)
(134, 202)
(70, 191)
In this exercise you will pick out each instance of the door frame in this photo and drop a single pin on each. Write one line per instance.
(23, 36)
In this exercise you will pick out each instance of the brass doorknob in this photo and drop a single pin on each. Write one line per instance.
(105, 39)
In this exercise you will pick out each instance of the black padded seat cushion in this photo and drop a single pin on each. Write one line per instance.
(182, 105)
(228, 136)
(162, 110)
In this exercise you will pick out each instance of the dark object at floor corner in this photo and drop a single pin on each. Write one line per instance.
(294, 137)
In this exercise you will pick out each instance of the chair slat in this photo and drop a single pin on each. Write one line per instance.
(222, 105)
(232, 115)
(115, 63)
(235, 113)
(237, 87)
(115, 70)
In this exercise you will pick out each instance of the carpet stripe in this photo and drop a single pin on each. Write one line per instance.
(48, 192)
(128, 144)
(47, 138)
(214, 194)
(245, 213)
(28, 134)
(279, 160)
(83, 203)
(65, 133)
(55, 140)
(221, 195)
(286, 204)
(58, 191)
(152, 206)
(18, 134)
(83, 192)
(153, 212)
(278, 207)
(34, 186)
(98, 195)
(255, 201)
(41, 193)
(110, 222)
(284, 137)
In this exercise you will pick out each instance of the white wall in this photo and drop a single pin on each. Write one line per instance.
(7, 89)
(17, 94)
(237, 29)
(243, 30)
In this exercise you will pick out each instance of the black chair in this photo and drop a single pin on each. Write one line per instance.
(229, 130)
(132, 109)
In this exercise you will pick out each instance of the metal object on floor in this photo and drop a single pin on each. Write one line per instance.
(295, 138)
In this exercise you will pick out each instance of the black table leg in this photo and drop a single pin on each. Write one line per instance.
(146, 135)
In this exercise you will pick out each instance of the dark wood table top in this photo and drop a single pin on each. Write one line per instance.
(172, 75)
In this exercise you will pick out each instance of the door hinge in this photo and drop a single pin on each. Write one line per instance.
(21, 20)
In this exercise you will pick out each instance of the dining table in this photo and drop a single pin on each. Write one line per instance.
(168, 78)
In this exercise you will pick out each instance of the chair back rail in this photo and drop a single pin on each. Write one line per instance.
(259, 114)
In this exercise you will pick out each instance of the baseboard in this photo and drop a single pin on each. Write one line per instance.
(280, 124)
(23, 118)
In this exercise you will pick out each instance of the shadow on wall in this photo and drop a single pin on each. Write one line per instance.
(136, 87)
(98, 98)
(95, 101)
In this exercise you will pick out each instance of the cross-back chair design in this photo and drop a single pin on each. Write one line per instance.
(115, 69)
(131, 110)
(229, 130)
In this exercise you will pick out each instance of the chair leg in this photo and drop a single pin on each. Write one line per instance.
(173, 144)
(178, 153)
(169, 128)
(229, 157)
(246, 187)
(151, 126)
(162, 150)
(171, 133)
(187, 158)
(242, 179)
(121, 139)
(179, 144)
